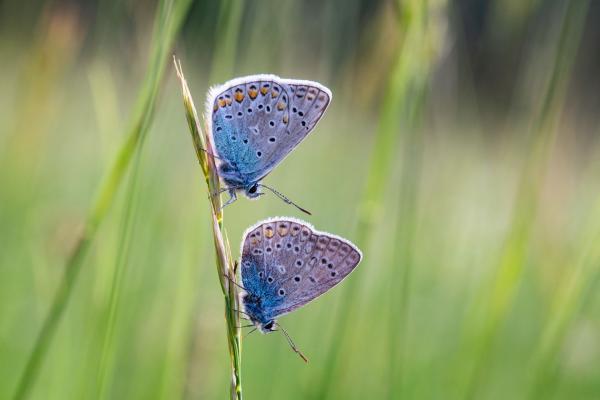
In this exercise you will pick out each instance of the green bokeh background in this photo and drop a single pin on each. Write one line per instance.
(460, 152)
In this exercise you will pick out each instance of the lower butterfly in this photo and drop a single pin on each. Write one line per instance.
(286, 263)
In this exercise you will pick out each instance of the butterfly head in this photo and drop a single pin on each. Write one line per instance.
(251, 191)
(267, 327)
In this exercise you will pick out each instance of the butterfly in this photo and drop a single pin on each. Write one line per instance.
(285, 264)
(255, 122)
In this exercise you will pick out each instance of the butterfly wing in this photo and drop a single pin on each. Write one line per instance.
(302, 263)
(256, 121)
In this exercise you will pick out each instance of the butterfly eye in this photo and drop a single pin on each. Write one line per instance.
(252, 190)
(269, 325)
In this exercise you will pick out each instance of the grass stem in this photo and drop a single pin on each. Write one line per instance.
(226, 269)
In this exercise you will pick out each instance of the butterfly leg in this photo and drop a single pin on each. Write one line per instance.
(244, 315)
(234, 282)
(248, 334)
(232, 198)
(213, 194)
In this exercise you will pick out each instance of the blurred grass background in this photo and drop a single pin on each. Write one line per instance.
(460, 152)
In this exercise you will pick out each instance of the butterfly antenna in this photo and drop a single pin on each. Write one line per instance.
(285, 199)
(292, 344)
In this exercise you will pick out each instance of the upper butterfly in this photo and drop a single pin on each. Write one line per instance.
(255, 122)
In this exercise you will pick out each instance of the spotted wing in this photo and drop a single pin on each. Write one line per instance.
(299, 263)
(257, 121)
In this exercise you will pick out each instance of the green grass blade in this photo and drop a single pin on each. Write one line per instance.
(409, 75)
(495, 300)
(141, 122)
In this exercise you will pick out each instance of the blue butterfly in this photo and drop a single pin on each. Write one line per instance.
(285, 264)
(255, 122)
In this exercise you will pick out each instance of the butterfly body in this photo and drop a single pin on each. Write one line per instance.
(286, 263)
(235, 158)
(256, 309)
(256, 121)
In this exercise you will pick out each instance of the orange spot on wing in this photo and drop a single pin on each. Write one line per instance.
(221, 102)
(264, 90)
(282, 230)
(269, 232)
(252, 93)
(239, 96)
(280, 105)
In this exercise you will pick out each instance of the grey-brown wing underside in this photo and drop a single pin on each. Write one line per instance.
(258, 120)
(301, 261)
